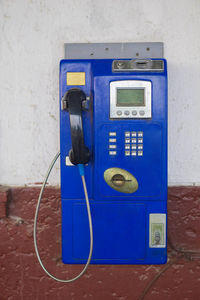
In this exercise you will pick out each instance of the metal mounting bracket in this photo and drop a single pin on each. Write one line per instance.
(113, 50)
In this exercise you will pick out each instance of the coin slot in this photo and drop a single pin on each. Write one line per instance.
(141, 63)
(118, 180)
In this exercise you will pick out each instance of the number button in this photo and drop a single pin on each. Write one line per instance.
(112, 140)
(127, 112)
(142, 112)
(134, 112)
(112, 152)
(134, 141)
(127, 153)
(127, 134)
(133, 153)
(112, 146)
(119, 112)
(140, 141)
(133, 134)
(140, 134)
(112, 133)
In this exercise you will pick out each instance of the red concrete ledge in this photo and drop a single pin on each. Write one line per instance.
(4, 201)
(22, 277)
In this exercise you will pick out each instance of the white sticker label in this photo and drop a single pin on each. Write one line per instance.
(157, 230)
(68, 162)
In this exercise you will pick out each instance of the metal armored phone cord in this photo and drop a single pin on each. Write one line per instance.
(81, 171)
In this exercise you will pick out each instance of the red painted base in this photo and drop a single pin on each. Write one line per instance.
(22, 278)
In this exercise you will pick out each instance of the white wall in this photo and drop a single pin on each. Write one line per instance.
(32, 34)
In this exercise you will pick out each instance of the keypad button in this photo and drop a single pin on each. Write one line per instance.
(142, 112)
(112, 146)
(112, 140)
(133, 133)
(127, 153)
(140, 134)
(133, 147)
(134, 112)
(140, 147)
(127, 140)
(112, 133)
(127, 146)
(119, 112)
(127, 134)
(140, 153)
(133, 140)
(140, 141)
(112, 152)
(127, 112)
(133, 153)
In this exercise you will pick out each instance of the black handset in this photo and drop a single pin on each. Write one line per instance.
(73, 103)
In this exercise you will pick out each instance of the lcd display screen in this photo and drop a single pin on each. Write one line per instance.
(130, 97)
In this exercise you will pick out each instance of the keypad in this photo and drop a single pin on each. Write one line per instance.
(133, 145)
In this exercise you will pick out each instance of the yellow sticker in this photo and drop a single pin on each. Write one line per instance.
(75, 78)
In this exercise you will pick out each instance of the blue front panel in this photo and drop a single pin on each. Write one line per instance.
(123, 233)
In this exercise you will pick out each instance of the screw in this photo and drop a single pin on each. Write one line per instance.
(120, 64)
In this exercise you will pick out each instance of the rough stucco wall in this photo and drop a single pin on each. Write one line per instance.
(22, 278)
(32, 34)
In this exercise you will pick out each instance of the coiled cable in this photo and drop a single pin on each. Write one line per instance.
(81, 171)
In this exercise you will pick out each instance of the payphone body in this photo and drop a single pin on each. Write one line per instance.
(125, 129)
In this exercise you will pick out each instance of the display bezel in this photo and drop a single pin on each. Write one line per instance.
(130, 112)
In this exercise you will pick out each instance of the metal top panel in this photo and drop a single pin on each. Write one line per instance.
(113, 50)
(138, 65)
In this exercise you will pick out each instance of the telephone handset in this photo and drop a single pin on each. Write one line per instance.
(79, 155)
(73, 103)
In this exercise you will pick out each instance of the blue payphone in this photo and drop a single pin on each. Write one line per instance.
(113, 126)
(125, 134)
